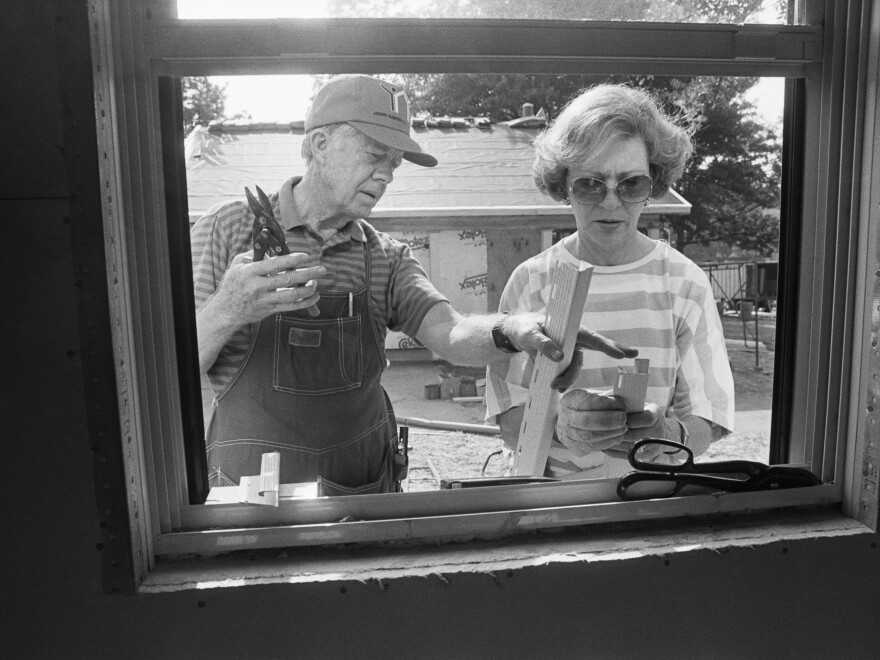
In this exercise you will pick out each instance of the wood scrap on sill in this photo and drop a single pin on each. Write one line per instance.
(264, 487)
(632, 384)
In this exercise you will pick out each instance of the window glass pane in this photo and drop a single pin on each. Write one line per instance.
(723, 215)
(677, 11)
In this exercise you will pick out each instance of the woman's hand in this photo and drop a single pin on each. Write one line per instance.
(590, 420)
(647, 423)
(596, 420)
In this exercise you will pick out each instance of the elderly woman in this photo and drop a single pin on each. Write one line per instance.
(608, 152)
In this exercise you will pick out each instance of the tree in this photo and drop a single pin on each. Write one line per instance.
(499, 97)
(691, 11)
(532, 9)
(733, 179)
(202, 102)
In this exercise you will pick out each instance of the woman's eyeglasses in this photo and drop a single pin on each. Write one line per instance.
(632, 190)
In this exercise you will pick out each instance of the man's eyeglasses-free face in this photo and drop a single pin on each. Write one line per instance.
(632, 190)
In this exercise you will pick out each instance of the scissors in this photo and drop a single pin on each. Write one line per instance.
(665, 480)
(267, 234)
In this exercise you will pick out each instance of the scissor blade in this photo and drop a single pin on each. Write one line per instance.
(265, 202)
(252, 202)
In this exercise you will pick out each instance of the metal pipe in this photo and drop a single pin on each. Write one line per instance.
(481, 429)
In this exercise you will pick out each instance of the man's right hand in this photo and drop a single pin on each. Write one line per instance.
(252, 290)
(249, 292)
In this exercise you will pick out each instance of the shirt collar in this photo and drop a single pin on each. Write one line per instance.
(290, 219)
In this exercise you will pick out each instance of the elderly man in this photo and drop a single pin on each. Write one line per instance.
(293, 345)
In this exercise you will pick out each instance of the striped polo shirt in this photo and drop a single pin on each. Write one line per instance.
(400, 290)
(664, 306)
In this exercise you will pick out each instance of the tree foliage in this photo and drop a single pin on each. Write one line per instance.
(499, 97)
(692, 11)
(734, 177)
(529, 9)
(202, 102)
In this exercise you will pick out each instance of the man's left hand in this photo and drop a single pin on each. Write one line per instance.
(526, 332)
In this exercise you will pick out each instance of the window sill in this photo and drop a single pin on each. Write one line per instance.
(612, 542)
(449, 515)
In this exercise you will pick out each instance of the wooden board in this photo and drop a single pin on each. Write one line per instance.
(263, 488)
(567, 298)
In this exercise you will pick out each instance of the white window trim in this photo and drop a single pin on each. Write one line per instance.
(134, 43)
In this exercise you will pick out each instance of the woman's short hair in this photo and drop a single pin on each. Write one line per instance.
(342, 128)
(599, 115)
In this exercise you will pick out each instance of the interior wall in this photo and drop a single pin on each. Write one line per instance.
(810, 598)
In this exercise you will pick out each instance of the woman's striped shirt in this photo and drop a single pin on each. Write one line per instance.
(664, 306)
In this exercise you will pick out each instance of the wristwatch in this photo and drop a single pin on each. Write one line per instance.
(502, 341)
(683, 438)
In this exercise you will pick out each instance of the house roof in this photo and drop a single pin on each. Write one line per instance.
(483, 169)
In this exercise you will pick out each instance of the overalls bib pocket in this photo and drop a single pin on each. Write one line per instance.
(317, 356)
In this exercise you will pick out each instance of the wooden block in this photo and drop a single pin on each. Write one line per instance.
(632, 384)
(468, 388)
(445, 387)
(264, 487)
(270, 472)
(567, 298)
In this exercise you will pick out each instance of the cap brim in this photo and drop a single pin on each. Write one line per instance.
(396, 140)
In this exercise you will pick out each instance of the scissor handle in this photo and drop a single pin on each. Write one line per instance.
(782, 476)
(651, 485)
(666, 485)
(741, 467)
(675, 447)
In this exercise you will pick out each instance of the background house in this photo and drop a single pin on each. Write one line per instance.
(470, 220)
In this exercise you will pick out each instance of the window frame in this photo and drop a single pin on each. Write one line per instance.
(136, 43)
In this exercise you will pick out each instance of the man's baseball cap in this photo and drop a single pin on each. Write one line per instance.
(378, 109)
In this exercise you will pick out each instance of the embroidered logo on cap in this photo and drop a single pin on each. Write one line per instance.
(395, 97)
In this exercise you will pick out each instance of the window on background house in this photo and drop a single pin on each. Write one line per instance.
(804, 236)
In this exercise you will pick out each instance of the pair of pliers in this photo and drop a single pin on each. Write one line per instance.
(267, 234)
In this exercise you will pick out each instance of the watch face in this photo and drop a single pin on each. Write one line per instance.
(502, 342)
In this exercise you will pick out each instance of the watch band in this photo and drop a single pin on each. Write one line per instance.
(685, 435)
(502, 341)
